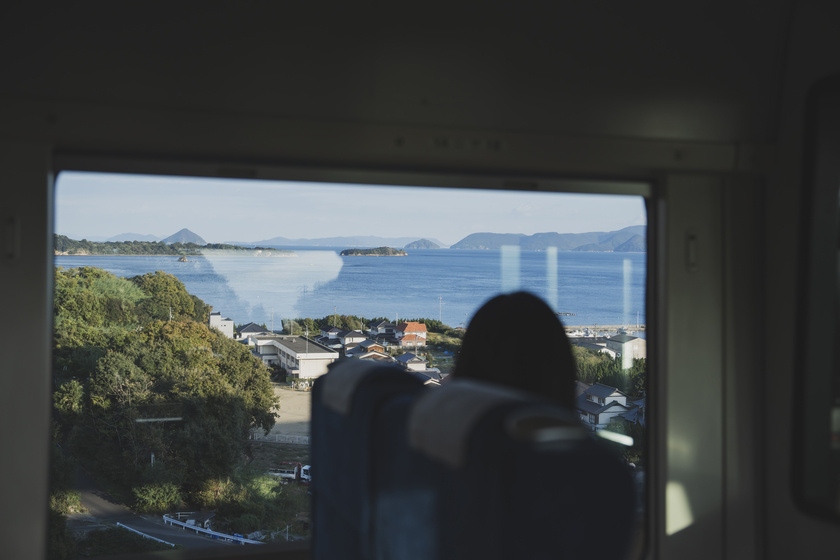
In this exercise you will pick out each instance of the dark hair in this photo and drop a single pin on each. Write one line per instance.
(517, 340)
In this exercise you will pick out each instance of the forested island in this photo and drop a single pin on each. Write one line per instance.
(65, 246)
(378, 252)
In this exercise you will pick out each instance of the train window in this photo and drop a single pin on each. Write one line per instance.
(207, 429)
(816, 462)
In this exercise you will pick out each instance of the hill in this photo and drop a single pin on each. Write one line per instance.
(367, 241)
(626, 240)
(422, 244)
(132, 237)
(488, 240)
(184, 236)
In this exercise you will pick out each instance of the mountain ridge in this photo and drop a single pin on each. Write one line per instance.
(629, 239)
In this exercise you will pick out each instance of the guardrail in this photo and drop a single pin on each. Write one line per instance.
(280, 438)
(144, 535)
(167, 518)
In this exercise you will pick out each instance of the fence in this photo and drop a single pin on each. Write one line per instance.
(144, 535)
(169, 518)
(280, 438)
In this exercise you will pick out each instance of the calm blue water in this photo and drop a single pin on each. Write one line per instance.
(600, 288)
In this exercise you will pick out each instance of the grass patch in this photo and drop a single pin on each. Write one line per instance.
(115, 541)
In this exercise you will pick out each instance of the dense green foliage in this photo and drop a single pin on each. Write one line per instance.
(251, 500)
(356, 323)
(65, 245)
(597, 367)
(377, 252)
(120, 360)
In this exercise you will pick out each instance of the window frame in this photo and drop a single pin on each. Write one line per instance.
(650, 188)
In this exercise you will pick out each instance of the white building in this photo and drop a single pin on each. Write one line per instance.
(224, 325)
(626, 345)
(299, 356)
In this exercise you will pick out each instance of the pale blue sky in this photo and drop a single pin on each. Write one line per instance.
(93, 205)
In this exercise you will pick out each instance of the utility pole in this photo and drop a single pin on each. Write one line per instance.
(440, 309)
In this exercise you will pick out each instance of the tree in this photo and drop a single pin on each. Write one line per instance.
(169, 299)
(115, 363)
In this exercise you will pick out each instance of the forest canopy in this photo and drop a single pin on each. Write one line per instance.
(129, 351)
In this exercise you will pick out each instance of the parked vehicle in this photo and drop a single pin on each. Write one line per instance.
(287, 470)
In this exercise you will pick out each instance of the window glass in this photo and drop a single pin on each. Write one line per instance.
(163, 423)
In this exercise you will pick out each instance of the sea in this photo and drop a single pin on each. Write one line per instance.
(585, 288)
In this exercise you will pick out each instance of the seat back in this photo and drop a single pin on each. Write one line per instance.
(345, 406)
(488, 472)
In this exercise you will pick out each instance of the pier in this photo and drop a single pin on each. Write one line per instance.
(604, 328)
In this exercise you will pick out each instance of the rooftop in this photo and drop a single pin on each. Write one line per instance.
(298, 344)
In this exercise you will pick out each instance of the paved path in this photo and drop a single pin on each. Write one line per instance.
(105, 512)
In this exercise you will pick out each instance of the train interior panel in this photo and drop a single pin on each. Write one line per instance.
(721, 120)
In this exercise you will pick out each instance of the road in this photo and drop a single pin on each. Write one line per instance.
(102, 512)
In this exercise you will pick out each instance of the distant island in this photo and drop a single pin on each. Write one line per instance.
(184, 236)
(422, 244)
(63, 245)
(378, 252)
(631, 239)
(628, 240)
(345, 241)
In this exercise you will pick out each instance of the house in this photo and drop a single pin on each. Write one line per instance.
(301, 357)
(411, 362)
(330, 332)
(224, 325)
(636, 415)
(374, 355)
(599, 404)
(371, 346)
(594, 343)
(411, 334)
(251, 329)
(430, 377)
(581, 387)
(382, 329)
(349, 339)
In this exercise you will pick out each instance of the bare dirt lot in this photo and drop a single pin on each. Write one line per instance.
(293, 420)
(295, 411)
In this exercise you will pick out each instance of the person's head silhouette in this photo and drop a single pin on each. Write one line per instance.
(517, 340)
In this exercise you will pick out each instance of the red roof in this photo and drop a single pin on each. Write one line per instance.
(411, 326)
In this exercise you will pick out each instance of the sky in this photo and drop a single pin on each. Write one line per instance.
(103, 205)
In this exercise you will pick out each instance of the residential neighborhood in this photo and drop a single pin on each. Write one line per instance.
(305, 358)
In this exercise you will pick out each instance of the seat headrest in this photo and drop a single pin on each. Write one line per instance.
(340, 383)
(443, 418)
(440, 422)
